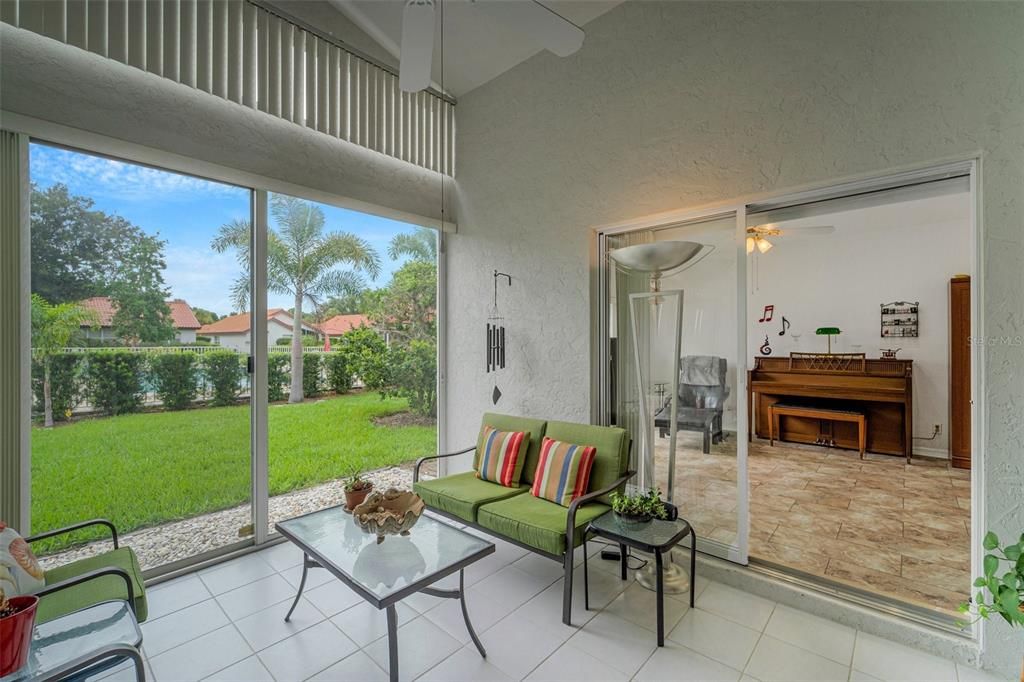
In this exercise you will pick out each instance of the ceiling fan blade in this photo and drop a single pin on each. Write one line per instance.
(553, 31)
(809, 231)
(417, 53)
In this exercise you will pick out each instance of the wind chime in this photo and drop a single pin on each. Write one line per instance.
(496, 337)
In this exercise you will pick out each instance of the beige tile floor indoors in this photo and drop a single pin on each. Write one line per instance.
(880, 524)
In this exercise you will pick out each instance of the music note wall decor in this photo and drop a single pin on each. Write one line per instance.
(766, 316)
(766, 348)
(785, 325)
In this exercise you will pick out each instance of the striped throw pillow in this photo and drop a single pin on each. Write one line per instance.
(499, 453)
(563, 471)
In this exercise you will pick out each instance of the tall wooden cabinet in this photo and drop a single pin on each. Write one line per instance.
(960, 371)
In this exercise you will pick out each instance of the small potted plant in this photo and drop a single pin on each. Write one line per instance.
(17, 618)
(356, 487)
(639, 508)
(1005, 591)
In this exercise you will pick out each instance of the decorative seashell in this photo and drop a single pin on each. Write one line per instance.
(392, 512)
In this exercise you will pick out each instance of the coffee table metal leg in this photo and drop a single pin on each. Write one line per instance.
(302, 584)
(465, 615)
(392, 643)
(623, 561)
(661, 597)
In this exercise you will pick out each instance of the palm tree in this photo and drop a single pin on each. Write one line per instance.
(420, 245)
(52, 329)
(302, 262)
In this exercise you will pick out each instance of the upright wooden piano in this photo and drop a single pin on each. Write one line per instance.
(880, 388)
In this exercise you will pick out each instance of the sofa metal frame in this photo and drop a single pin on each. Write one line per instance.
(90, 575)
(566, 559)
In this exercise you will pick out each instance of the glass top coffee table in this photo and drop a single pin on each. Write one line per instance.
(87, 641)
(385, 573)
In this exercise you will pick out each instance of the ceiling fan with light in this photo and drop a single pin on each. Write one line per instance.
(757, 236)
(534, 20)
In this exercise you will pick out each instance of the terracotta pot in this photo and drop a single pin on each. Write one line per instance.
(353, 498)
(16, 634)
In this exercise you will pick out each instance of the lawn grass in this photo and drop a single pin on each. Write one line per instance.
(141, 470)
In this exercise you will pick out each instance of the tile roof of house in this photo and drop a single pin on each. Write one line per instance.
(234, 324)
(181, 312)
(339, 324)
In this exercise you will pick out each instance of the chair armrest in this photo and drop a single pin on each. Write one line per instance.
(92, 575)
(421, 460)
(76, 526)
(570, 521)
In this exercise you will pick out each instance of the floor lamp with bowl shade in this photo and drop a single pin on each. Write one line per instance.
(657, 259)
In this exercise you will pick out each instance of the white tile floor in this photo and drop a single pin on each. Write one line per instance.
(227, 623)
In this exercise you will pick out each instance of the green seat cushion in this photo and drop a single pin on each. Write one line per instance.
(462, 494)
(505, 422)
(96, 590)
(612, 443)
(536, 522)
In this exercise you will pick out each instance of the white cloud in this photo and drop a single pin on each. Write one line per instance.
(202, 277)
(124, 181)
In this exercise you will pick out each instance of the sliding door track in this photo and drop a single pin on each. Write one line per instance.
(876, 602)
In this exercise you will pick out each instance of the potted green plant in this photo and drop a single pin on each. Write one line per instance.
(17, 618)
(1001, 594)
(640, 507)
(356, 487)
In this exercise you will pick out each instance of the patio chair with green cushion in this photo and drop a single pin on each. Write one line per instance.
(114, 574)
(543, 527)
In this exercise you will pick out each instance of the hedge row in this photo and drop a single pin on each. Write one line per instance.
(117, 381)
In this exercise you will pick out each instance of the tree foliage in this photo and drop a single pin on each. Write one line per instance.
(176, 378)
(420, 245)
(413, 373)
(139, 295)
(225, 371)
(53, 327)
(406, 307)
(64, 381)
(303, 261)
(77, 251)
(205, 316)
(114, 380)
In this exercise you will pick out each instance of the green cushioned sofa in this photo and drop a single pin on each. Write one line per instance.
(515, 515)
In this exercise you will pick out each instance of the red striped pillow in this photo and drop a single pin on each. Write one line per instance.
(499, 453)
(563, 472)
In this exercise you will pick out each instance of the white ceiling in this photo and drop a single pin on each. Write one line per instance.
(477, 46)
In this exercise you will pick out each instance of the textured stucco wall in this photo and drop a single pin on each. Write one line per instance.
(48, 80)
(676, 104)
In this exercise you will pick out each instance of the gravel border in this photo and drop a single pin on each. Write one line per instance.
(177, 540)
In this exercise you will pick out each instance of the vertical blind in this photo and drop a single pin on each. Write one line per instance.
(13, 335)
(246, 54)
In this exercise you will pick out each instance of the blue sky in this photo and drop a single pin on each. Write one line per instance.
(187, 212)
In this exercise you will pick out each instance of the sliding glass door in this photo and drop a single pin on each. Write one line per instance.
(191, 406)
(673, 347)
(139, 416)
(351, 329)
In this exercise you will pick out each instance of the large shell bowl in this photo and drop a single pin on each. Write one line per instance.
(392, 512)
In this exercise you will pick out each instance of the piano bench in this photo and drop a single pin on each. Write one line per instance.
(778, 410)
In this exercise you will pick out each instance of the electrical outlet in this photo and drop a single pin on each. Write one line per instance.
(938, 429)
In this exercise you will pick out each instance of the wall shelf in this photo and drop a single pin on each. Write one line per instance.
(899, 319)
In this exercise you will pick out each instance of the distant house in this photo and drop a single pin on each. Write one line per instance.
(233, 331)
(185, 323)
(339, 324)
